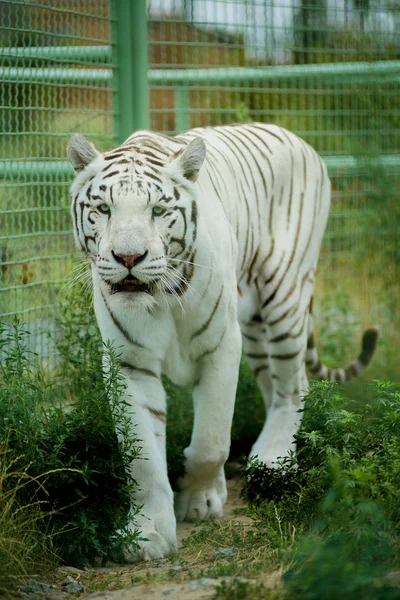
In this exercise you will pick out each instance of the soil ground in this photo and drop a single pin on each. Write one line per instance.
(181, 576)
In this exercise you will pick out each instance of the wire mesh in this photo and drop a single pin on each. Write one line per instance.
(39, 110)
(329, 70)
(352, 120)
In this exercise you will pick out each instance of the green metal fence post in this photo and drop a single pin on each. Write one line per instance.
(130, 48)
(182, 116)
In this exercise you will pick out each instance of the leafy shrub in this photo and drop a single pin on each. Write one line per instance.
(346, 555)
(59, 428)
(343, 491)
(179, 427)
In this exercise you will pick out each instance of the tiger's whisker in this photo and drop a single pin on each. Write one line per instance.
(188, 262)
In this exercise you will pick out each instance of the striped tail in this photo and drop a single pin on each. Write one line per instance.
(341, 375)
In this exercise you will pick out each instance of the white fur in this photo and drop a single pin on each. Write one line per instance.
(181, 336)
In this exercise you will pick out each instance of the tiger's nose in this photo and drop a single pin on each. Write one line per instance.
(129, 260)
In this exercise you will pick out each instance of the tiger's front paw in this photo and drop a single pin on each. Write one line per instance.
(157, 539)
(151, 545)
(156, 525)
(200, 500)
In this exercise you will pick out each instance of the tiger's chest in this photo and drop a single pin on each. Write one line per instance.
(178, 364)
(182, 358)
(190, 340)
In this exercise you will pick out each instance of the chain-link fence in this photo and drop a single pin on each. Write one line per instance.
(328, 70)
(45, 95)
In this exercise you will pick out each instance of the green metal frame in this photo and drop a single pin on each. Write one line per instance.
(133, 79)
(38, 171)
(132, 67)
(137, 77)
(73, 53)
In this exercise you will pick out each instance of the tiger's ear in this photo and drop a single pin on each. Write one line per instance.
(190, 159)
(81, 152)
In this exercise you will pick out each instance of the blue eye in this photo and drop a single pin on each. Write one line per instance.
(104, 208)
(158, 211)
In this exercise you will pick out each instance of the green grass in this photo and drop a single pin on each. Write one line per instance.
(241, 590)
(25, 547)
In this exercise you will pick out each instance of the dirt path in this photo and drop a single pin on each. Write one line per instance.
(176, 576)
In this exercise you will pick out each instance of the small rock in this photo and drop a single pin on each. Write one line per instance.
(392, 578)
(54, 595)
(167, 592)
(204, 582)
(226, 552)
(35, 587)
(71, 586)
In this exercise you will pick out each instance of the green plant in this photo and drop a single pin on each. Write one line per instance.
(240, 590)
(346, 555)
(59, 424)
(179, 427)
(342, 492)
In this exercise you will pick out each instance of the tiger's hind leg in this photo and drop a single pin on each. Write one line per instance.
(255, 348)
(284, 382)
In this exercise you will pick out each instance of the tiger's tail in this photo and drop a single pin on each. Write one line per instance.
(344, 374)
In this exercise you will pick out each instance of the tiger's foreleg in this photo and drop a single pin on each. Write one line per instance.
(146, 401)
(203, 487)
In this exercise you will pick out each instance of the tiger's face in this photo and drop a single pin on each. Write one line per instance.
(136, 219)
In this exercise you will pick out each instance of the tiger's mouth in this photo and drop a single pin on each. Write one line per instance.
(131, 284)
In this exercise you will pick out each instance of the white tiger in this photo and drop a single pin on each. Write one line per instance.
(198, 242)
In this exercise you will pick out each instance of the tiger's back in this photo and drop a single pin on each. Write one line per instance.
(276, 195)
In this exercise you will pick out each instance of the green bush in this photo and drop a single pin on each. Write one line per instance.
(347, 554)
(342, 492)
(59, 428)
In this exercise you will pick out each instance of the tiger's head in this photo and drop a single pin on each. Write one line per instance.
(134, 213)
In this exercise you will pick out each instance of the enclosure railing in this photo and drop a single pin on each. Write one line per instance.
(181, 81)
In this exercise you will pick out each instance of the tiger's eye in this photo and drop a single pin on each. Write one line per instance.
(104, 208)
(158, 211)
